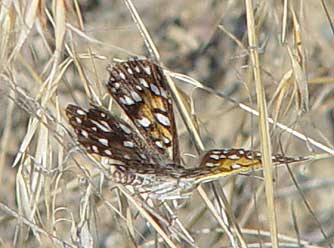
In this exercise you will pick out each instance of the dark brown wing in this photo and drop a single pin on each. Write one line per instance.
(106, 135)
(222, 162)
(139, 87)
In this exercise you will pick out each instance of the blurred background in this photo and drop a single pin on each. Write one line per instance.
(56, 52)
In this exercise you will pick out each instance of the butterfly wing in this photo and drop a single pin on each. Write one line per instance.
(139, 87)
(106, 135)
(222, 162)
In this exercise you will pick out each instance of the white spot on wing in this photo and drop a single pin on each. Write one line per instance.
(216, 152)
(95, 149)
(249, 156)
(126, 100)
(84, 133)
(128, 144)
(105, 123)
(138, 87)
(162, 119)
(144, 122)
(136, 96)
(159, 144)
(117, 85)
(226, 151)
(234, 157)
(78, 120)
(137, 69)
(155, 89)
(103, 141)
(130, 71)
(163, 93)
(80, 112)
(121, 74)
(236, 166)
(147, 69)
(166, 140)
(108, 152)
(143, 82)
(143, 156)
(209, 164)
(215, 156)
(102, 125)
(125, 129)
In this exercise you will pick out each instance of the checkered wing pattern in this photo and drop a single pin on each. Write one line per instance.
(139, 87)
(222, 162)
(106, 135)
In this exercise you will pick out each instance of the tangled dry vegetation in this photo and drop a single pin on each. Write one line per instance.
(235, 57)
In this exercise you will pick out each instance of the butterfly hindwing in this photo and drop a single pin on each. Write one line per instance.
(222, 162)
(106, 135)
(139, 87)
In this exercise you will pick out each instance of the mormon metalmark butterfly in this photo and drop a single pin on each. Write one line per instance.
(147, 148)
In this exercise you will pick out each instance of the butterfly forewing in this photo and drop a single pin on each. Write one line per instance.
(139, 88)
(106, 135)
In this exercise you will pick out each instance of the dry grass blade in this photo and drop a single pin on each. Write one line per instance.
(60, 28)
(263, 123)
(284, 21)
(293, 213)
(222, 221)
(309, 207)
(6, 136)
(298, 65)
(328, 15)
(281, 92)
(143, 31)
(149, 218)
(34, 227)
(29, 20)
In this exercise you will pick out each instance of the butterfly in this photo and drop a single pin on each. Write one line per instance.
(146, 148)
